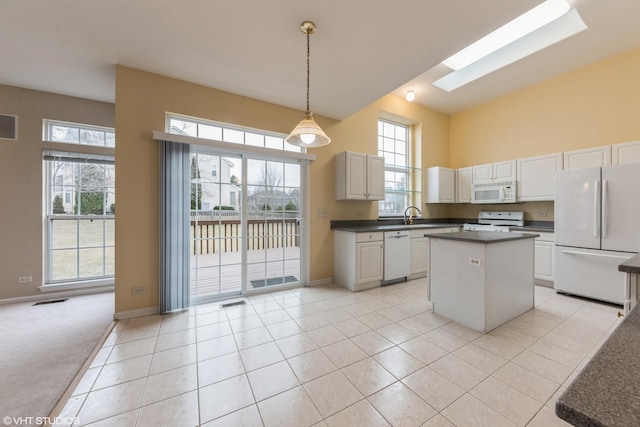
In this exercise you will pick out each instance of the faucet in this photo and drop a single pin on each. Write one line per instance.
(409, 220)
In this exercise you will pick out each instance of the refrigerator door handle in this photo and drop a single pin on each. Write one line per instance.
(596, 192)
(596, 255)
(605, 185)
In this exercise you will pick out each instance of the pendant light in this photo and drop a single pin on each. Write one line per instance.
(308, 133)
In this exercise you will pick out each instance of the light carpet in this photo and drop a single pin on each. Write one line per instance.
(43, 347)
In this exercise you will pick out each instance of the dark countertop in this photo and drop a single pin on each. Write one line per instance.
(533, 228)
(392, 227)
(632, 265)
(607, 391)
(482, 236)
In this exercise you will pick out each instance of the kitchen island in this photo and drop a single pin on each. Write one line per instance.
(481, 279)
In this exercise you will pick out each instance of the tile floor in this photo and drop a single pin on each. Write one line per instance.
(327, 357)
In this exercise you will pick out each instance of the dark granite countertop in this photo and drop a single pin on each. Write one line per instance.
(392, 227)
(482, 236)
(607, 391)
(533, 228)
(632, 265)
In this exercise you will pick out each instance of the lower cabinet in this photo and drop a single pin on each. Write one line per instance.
(544, 266)
(419, 256)
(358, 259)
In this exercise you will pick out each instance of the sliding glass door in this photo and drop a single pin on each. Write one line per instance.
(244, 225)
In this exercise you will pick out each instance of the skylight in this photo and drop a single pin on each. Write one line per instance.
(541, 27)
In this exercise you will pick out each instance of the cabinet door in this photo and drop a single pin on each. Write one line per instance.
(375, 178)
(544, 260)
(463, 185)
(587, 158)
(356, 170)
(419, 255)
(441, 185)
(504, 171)
(628, 152)
(482, 174)
(536, 177)
(369, 262)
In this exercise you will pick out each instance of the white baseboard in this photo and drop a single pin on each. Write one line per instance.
(136, 313)
(320, 282)
(55, 295)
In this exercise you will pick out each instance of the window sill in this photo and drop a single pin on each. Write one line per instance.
(106, 284)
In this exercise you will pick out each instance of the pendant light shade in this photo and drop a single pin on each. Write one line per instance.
(307, 133)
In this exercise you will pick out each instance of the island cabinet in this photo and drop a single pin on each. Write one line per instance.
(481, 279)
(358, 259)
(359, 176)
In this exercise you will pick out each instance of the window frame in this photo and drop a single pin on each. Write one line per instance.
(406, 169)
(77, 152)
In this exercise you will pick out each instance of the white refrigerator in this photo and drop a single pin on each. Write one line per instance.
(597, 227)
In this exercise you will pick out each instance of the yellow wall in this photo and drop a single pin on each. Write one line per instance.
(593, 106)
(21, 183)
(141, 102)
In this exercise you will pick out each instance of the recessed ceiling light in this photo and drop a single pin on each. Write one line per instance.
(410, 96)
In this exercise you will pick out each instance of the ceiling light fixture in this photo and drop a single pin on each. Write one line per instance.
(410, 96)
(554, 32)
(524, 24)
(307, 133)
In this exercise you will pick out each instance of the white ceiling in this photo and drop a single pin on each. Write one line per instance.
(363, 49)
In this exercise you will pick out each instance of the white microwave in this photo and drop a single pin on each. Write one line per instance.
(494, 192)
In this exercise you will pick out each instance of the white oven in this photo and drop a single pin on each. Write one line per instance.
(494, 192)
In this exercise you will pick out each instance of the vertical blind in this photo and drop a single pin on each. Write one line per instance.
(174, 226)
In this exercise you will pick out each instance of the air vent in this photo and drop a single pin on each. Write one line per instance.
(8, 127)
(231, 304)
(51, 301)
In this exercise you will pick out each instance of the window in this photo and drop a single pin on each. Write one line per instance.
(79, 206)
(201, 128)
(75, 133)
(393, 145)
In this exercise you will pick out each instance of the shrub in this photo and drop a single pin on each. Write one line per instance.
(58, 207)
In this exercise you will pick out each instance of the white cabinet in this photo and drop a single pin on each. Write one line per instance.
(441, 185)
(464, 177)
(536, 177)
(628, 152)
(493, 172)
(420, 249)
(359, 176)
(587, 158)
(358, 259)
(545, 258)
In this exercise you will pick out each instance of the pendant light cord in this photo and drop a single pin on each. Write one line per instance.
(308, 54)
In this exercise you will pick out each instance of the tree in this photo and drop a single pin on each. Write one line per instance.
(196, 187)
(58, 206)
(291, 206)
(234, 179)
(90, 180)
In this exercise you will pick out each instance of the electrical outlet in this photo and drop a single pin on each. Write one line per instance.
(474, 261)
(542, 213)
(140, 290)
(25, 279)
(359, 212)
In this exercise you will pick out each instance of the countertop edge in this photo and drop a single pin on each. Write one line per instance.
(632, 265)
(483, 237)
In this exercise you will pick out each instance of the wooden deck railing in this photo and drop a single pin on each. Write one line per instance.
(220, 232)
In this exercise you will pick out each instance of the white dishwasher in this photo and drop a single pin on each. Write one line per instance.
(397, 255)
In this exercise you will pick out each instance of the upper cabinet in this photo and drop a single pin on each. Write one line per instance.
(464, 178)
(359, 176)
(628, 152)
(493, 172)
(588, 158)
(441, 185)
(536, 177)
